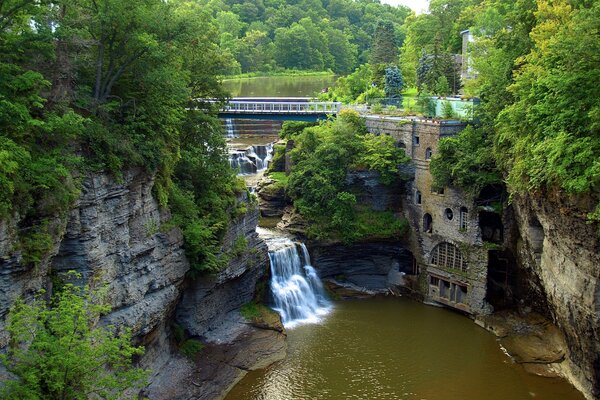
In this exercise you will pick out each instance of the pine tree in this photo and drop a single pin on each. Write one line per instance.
(384, 49)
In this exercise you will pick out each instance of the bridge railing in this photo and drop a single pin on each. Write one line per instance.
(282, 107)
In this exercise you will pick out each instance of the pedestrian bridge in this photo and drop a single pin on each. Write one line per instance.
(279, 108)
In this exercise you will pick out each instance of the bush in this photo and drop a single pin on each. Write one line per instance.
(57, 350)
(323, 156)
(191, 347)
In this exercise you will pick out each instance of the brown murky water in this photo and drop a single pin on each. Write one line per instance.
(395, 348)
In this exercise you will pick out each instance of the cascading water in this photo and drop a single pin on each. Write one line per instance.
(229, 128)
(252, 160)
(297, 290)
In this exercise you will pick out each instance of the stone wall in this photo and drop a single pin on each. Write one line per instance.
(112, 234)
(374, 266)
(210, 304)
(447, 218)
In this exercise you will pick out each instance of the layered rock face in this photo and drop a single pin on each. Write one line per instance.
(561, 252)
(374, 266)
(210, 304)
(114, 235)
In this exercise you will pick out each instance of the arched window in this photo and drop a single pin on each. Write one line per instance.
(428, 153)
(447, 255)
(417, 197)
(400, 145)
(427, 223)
(463, 218)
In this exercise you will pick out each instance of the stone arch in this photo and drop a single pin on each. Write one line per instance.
(428, 153)
(427, 223)
(447, 255)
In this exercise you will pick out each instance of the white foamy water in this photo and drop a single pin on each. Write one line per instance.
(296, 287)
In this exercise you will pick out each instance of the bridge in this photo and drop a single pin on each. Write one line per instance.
(279, 108)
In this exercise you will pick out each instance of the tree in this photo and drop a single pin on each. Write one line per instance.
(441, 87)
(58, 350)
(548, 137)
(294, 48)
(465, 161)
(384, 49)
(342, 51)
(394, 84)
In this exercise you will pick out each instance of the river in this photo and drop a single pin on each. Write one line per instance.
(279, 86)
(395, 348)
(380, 348)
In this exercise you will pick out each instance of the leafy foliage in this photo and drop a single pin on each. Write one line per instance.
(75, 98)
(322, 159)
(550, 135)
(332, 35)
(58, 350)
(465, 161)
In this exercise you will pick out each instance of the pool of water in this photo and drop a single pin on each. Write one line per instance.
(395, 348)
(279, 86)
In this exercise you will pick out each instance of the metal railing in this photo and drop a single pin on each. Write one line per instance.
(280, 107)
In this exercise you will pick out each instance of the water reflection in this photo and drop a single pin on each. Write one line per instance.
(396, 349)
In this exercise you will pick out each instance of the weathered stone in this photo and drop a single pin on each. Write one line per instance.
(113, 235)
(560, 253)
(365, 265)
(373, 193)
(271, 198)
(292, 222)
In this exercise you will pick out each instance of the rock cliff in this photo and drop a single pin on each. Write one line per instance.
(560, 251)
(115, 233)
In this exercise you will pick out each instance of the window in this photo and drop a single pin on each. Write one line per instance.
(447, 255)
(434, 281)
(416, 140)
(449, 214)
(427, 223)
(463, 218)
(417, 197)
(428, 153)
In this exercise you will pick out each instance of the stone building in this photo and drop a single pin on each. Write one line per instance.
(446, 237)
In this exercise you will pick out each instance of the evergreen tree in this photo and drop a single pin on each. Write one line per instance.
(384, 48)
(394, 84)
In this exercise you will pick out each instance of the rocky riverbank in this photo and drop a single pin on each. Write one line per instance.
(115, 233)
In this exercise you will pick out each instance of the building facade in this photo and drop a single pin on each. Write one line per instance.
(446, 239)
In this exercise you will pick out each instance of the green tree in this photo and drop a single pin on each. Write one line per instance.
(342, 51)
(394, 84)
(58, 350)
(465, 161)
(384, 49)
(549, 136)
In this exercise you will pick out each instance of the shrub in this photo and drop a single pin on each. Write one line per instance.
(57, 350)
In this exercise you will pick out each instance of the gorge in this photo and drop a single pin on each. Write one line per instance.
(411, 212)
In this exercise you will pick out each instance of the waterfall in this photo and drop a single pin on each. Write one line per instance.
(251, 160)
(297, 290)
(229, 128)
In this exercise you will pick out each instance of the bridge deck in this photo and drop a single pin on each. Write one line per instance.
(281, 107)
